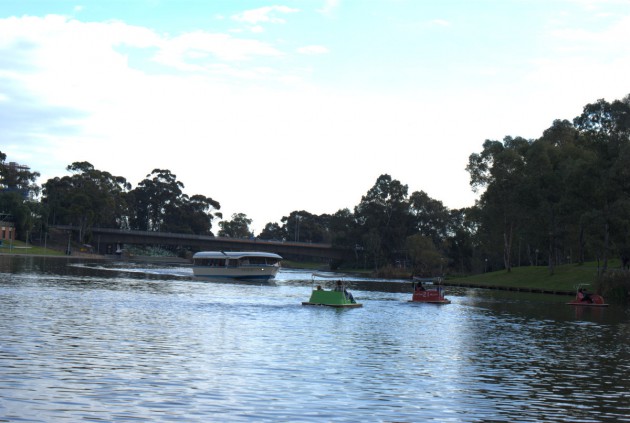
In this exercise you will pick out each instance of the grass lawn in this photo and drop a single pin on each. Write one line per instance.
(564, 278)
(19, 248)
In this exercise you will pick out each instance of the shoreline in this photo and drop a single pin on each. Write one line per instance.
(146, 259)
(182, 261)
(509, 288)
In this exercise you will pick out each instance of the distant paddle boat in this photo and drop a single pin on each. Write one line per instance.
(421, 294)
(338, 296)
(584, 299)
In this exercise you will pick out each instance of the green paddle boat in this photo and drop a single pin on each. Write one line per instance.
(338, 296)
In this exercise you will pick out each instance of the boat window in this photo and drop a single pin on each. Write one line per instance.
(263, 261)
(249, 261)
(213, 262)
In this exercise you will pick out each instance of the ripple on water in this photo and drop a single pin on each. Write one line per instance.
(121, 345)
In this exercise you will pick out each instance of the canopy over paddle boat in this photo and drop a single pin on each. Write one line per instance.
(431, 295)
(338, 296)
(584, 299)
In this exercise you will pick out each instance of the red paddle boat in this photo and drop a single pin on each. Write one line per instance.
(431, 295)
(584, 299)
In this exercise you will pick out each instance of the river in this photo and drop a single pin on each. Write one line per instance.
(124, 342)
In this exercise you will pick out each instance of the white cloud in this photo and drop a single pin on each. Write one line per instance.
(440, 22)
(595, 60)
(134, 119)
(220, 111)
(264, 15)
(611, 38)
(329, 7)
(179, 51)
(313, 50)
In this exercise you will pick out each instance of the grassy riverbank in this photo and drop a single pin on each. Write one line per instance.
(537, 278)
(614, 285)
(23, 249)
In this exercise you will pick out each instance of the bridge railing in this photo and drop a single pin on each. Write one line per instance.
(174, 235)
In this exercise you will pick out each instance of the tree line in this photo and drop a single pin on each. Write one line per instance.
(561, 198)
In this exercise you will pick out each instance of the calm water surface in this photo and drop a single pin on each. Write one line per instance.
(105, 341)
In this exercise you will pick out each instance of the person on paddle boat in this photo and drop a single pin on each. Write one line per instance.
(417, 285)
(340, 288)
(584, 296)
(349, 295)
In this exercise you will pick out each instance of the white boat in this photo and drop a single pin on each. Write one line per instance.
(236, 264)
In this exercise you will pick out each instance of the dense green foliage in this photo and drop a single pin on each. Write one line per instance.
(17, 193)
(93, 198)
(615, 286)
(238, 227)
(563, 198)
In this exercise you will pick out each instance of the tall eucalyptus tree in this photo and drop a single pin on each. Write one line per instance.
(500, 170)
(383, 216)
(605, 129)
(159, 204)
(428, 217)
(17, 178)
(302, 226)
(88, 198)
(17, 195)
(274, 231)
(238, 227)
(343, 230)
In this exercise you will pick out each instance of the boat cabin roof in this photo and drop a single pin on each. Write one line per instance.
(325, 275)
(427, 281)
(234, 254)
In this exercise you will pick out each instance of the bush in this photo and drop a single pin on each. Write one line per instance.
(391, 272)
(614, 286)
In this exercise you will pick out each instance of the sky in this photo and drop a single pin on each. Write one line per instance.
(270, 107)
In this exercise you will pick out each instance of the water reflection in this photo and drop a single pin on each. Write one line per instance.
(121, 342)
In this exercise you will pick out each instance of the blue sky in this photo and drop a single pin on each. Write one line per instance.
(271, 107)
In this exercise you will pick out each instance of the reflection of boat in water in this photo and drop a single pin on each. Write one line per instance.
(338, 296)
(238, 265)
(584, 299)
(430, 295)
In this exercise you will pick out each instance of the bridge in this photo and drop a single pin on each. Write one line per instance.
(107, 241)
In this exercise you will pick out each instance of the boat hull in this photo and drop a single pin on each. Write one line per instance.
(596, 301)
(357, 305)
(249, 273)
(430, 296)
(582, 304)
